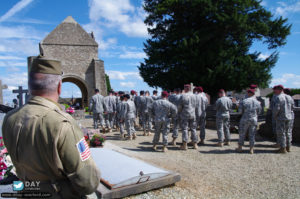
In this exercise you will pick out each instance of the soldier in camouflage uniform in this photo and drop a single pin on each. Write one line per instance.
(223, 106)
(128, 115)
(138, 101)
(162, 110)
(272, 104)
(154, 96)
(109, 110)
(97, 107)
(186, 110)
(45, 143)
(121, 123)
(283, 115)
(202, 103)
(250, 108)
(146, 103)
(291, 106)
(174, 98)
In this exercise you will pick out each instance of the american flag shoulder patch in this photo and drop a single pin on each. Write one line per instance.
(83, 149)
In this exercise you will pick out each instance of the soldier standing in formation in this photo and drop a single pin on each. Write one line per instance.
(128, 116)
(154, 96)
(162, 110)
(174, 98)
(291, 106)
(202, 103)
(186, 110)
(283, 114)
(121, 123)
(223, 106)
(97, 107)
(145, 105)
(250, 108)
(110, 110)
(45, 143)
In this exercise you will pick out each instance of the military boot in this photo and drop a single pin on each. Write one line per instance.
(134, 136)
(129, 137)
(183, 146)
(276, 145)
(154, 147)
(281, 150)
(195, 146)
(144, 134)
(220, 144)
(173, 143)
(227, 143)
(165, 149)
(239, 149)
(202, 142)
(251, 150)
(103, 130)
(288, 149)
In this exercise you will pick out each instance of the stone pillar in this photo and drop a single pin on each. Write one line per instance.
(1, 93)
(100, 80)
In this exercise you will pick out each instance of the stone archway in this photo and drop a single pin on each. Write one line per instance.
(81, 85)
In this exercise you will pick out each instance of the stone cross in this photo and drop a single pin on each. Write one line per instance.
(20, 91)
(1, 94)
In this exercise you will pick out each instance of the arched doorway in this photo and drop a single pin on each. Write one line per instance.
(81, 85)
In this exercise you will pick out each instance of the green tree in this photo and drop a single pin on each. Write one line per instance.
(108, 86)
(207, 42)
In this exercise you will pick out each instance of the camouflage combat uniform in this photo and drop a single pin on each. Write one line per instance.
(186, 110)
(146, 103)
(201, 105)
(174, 98)
(250, 108)
(97, 107)
(223, 105)
(162, 110)
(110, 111)
(128, 115)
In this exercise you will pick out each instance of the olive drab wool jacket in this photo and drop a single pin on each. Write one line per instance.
(42, 141)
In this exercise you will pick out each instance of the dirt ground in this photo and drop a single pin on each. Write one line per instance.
(218, 172)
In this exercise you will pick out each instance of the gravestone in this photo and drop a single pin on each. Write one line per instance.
(20, 92)
(1, 92)
(122, 175)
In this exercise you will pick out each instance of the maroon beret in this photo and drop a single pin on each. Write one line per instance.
(252, 86)
(200, 89)
(251, 91)
(278, 87)
(221, 91)
(132, 92)
(164, 94)
(187, 85)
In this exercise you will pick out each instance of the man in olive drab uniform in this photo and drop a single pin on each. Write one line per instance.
(187, 112)
(283, 115)
(223, 106)
(45, 143)
(162, 110)
(250, 108)
(97, 107)
(109, 110)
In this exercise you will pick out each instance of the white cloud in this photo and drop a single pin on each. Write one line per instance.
(15, 79)
(133, 55)
(23, 32)
(12, 64)
(8, 57)
(288, 80)
(120, 14)
(263, 56)
(127, 84)
(16, 8)
(119, 75)
(283, 8)
(27, 47)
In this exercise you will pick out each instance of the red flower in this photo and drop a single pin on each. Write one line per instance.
(3, 166)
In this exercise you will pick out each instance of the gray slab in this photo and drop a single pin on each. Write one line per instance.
(122, 175)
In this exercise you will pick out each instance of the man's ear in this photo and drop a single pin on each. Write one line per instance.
(59, 88)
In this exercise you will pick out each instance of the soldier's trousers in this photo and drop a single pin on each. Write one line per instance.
(109, 120)
(201, 122)
(284, 134)
(98, 117)
(176, 123)
(121, 126)
(185, 125)
(164, 128)
(246, 125)
(129, 124)
(146, 122)
(223, 128)
(274, 128)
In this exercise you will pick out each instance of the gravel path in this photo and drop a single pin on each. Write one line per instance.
(214, 172)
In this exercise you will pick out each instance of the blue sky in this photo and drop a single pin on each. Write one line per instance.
(120, 32)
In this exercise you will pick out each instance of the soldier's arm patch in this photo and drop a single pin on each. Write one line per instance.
(83, 149)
